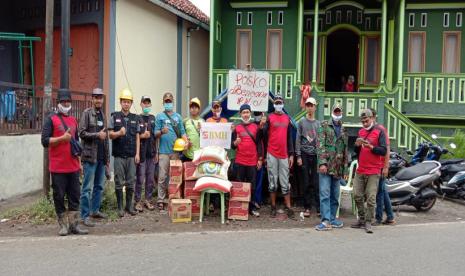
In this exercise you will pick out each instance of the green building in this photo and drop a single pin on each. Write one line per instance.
(405, 56)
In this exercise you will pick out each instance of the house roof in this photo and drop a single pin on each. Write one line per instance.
(188, 8)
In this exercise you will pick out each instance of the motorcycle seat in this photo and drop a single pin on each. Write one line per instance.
(415, 171)
(455, 168)
(451, 161)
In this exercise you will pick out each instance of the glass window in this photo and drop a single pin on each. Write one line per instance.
(416, 52)
(243, 46)
(451, 53)
(239, 18)
(274, 49)
(269, 18)
(372, 55)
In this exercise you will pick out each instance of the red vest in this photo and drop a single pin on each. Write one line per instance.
(368, 162)
(61, 160)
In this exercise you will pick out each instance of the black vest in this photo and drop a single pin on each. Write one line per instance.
(125, 146)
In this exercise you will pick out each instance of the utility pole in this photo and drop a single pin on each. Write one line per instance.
(64, 66)
(47, 103)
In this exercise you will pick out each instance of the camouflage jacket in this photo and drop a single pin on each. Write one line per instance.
(332, 151)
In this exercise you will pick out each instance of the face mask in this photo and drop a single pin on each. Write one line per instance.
(63, 109)
(168, 106)
(147, 110)
(217, 114)
(278, 107)
(246, 121)
(369, 127)
(336, 118)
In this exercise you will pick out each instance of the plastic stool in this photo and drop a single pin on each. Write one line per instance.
(202, 205)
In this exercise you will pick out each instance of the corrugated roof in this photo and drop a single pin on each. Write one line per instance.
(187, 7)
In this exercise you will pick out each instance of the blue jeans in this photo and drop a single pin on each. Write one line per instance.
(383, 200)
(92, 187)
(329, 197)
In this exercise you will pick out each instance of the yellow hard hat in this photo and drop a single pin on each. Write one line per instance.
(179, 144)
(195, 101)
(125, 94)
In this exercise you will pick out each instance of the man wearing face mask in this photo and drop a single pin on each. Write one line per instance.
(280, 154)
(333, 166)
(216, 110)
(246, 139)
(192, 126)
(57, 132)
(168, 128)
(95, 157)
(305, 149)
(371, 148)
(146, 168)
(124, 130)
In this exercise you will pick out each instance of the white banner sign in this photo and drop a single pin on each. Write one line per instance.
(215, 134)
(248, 87)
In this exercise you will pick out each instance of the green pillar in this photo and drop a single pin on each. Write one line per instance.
(401, 41)
(212, 48)
(383, 42)
(315, 42)
(300, 34)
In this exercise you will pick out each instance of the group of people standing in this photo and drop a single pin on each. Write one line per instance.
(143, 145)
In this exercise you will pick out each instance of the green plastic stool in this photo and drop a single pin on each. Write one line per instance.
(202, 205)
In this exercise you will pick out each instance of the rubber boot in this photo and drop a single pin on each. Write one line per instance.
(129, 203)
(63, 225)
(119, 201)
(73, 218)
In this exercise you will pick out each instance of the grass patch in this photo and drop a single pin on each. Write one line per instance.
(43, 211)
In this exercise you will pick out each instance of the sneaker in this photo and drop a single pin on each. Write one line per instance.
(358, 225)
(255, 213)
(290, 213)
(138, 207)
(149, 205)
(256, 205)
(324, 226)
(368, 228)
(377, 223)
(99, 215)
(337, 224)
(389, 222)
(273, 211)
(307, 213)
(88, 223)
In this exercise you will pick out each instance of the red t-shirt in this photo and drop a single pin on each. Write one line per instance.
(61, 160)
(246, 153)
(349, 87)
(277, 135)
(388, 143)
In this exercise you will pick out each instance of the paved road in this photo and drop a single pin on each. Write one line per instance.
(421, 249)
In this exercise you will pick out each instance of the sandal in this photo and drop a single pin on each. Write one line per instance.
(307, 213)
(138, 207)
(149, 205)
(160, 206)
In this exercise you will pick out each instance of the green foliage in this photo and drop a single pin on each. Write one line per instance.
(459, 141)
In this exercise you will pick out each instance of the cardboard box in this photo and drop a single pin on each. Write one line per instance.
(180, 210)
(174, 190)
(189, 189)
(240, 191)
(189, 169)
(195, 206)
(238, 210)
(175, 168)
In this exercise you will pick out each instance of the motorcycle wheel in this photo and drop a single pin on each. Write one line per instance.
(426, 205)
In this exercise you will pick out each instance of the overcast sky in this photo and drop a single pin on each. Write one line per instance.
(204, 5)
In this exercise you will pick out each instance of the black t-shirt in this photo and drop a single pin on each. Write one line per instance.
(101, 143)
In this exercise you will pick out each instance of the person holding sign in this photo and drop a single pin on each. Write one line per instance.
(246, 139)
(216, 110)
(280, 154)
(169, 128)
(192, 126)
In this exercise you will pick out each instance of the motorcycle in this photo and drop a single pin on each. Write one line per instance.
(414, 185)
